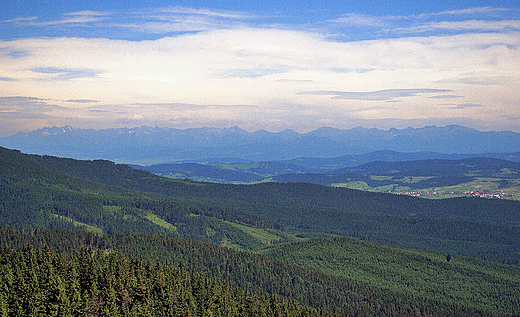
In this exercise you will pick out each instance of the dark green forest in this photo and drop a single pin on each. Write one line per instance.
(101, 283)
(243, 235)
(106, 198)
(260, 274)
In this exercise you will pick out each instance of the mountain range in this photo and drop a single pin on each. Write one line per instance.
(151, 145)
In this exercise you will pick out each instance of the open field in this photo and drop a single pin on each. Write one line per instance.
(483, 185)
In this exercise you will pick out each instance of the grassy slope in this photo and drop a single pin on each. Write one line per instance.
(478, 284)
(480, 183)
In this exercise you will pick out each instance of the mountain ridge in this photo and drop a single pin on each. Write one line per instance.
(152, 145)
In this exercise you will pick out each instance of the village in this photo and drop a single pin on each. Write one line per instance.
(469, 193)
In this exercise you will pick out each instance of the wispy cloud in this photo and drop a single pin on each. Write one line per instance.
(249, 73)
(468, 11)
(206, 12)
(26, 104)
(467, 105)
(469, 25)
(20, 20)
(387, 94)
(81, 101)
(180, 19)
(445, 97)
(163, 20)
(80, 17)
(356, 19)
(18, 54)
(484, 80)
(65, 73)
(464, 20)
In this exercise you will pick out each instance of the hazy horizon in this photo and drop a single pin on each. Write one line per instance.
(260, 65)
(253, 130)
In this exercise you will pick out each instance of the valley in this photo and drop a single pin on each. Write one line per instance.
(339, 250)
(435, 178)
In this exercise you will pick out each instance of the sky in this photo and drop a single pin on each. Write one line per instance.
(270, 65)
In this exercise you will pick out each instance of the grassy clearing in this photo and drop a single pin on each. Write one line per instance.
(160, 222)
(78, 224)
(354, 185)
(508, 172)
(380, 178)
(266, 236)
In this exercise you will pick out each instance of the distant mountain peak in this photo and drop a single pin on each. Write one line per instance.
(289, 132)
(151, 145)
(52, 130)
(237, 129)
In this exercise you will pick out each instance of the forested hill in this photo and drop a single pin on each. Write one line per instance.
(49, 191)
(346, 295)
(481, 166)
(40, 191)
(109, 173)
(389, 163)
(89, 282)
(141, 214)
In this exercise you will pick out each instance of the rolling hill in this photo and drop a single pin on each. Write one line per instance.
(120, 209)
(443, 177)
(106, 198)
(343, 275)
(423, 176)
(429, 275)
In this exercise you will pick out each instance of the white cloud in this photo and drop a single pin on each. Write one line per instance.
(355, 19)
(206, 12)
(65, 73)
(469, 25)
(469, 11)
(467, 105)
(80, 17)
(256, 76)
(387, 94)
(20, 20)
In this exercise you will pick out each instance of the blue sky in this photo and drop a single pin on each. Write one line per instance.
(259, 64)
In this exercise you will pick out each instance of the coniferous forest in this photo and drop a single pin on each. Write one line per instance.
(252, 275)
(98, 238)
(100, 283)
